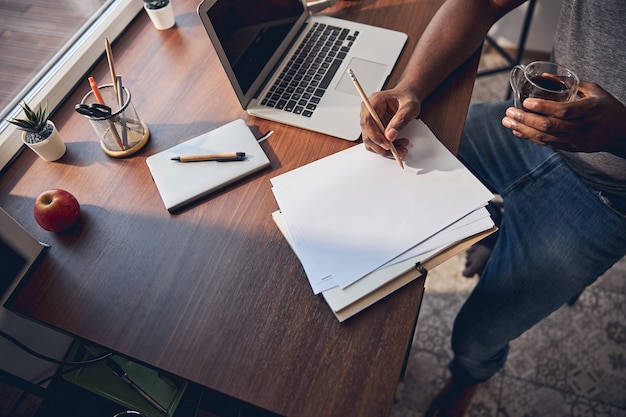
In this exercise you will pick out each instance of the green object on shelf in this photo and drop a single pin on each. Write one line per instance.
(99, 379)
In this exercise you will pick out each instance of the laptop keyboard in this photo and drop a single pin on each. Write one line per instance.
(304, 80)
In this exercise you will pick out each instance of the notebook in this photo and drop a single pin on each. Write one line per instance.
(180, 183)
(256, 40)
(328, 205)
(345, 303)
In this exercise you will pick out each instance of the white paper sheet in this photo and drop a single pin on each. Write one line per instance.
(477, 221)
(338, 298)
(354, 211)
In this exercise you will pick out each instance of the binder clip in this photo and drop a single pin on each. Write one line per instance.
(421, 269)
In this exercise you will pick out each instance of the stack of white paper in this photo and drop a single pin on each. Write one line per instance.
(353, 212)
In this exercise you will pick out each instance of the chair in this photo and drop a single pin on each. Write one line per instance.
(511, 61)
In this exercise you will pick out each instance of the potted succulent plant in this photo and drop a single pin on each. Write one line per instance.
(160, 12)
(39, 133)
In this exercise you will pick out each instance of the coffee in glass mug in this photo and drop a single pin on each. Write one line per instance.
(542, 79)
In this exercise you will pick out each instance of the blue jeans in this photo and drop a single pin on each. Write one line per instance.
(557, 236)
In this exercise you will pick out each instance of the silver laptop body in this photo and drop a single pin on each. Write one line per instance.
(255, 39)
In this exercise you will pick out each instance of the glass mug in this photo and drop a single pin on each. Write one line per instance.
(542, 79)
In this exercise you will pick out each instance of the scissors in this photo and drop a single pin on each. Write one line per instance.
(95, 110)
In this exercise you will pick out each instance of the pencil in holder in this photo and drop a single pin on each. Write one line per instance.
(119, 128)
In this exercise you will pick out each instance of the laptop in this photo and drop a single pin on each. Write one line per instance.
(290, 66)
(20, 253)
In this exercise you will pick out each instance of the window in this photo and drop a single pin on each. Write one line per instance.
(60, 69)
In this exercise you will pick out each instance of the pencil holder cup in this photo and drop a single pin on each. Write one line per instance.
(119, 128)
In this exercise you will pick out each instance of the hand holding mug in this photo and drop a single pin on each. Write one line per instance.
(542, 79)
(592, 123)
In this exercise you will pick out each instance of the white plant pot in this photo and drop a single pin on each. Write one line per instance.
(162, 18)
(50, 149)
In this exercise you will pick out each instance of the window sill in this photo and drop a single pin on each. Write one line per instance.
(70, 69)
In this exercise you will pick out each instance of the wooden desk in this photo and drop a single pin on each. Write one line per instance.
(213, 294)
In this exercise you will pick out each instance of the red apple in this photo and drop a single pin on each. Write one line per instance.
(56, 210)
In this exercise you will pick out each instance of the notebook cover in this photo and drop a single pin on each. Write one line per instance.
(180, 183)
(390, 278)
(409, 276)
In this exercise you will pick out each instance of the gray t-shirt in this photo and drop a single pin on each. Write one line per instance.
(591, 41)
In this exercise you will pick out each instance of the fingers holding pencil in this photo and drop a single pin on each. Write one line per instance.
(374, 116)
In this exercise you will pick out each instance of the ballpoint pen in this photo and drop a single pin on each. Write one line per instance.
(374, 115)
(95, 90)
(120, 99)
(217, 157)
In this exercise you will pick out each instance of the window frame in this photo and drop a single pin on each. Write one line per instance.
(69, 69)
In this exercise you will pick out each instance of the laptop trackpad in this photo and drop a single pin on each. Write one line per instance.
(368, 73)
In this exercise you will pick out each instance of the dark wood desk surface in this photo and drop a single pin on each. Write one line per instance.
(213, 294)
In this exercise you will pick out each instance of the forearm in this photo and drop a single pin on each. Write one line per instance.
(453, 35)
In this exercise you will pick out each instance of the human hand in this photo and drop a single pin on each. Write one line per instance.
(593, 123)
(395, 107)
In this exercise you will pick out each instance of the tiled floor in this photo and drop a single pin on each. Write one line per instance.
(571, 364)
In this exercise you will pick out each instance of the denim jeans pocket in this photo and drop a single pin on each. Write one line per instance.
(615, 204)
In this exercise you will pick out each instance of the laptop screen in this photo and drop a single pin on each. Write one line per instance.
(250, 31)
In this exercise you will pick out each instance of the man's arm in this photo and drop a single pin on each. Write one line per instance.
(453, 35)
(458, 28)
